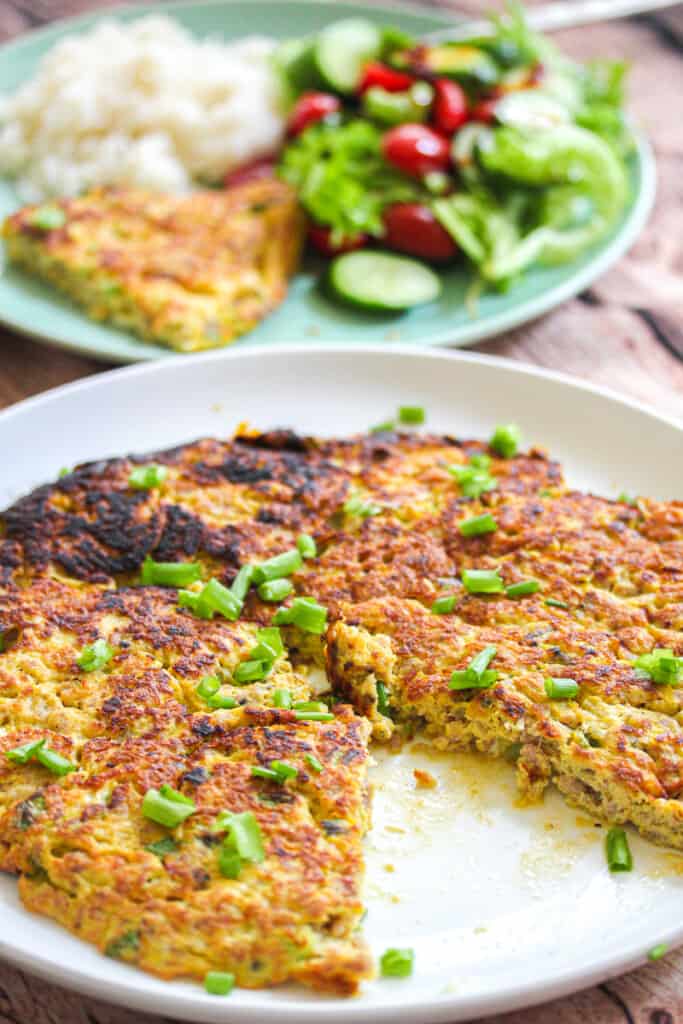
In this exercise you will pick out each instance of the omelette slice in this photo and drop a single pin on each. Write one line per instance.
(174, 900)
(188, 272)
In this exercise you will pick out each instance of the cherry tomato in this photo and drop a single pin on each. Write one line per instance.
(309, 108)
(450, 106)
(484, 110)
(320, 238)
(413, 229)
(257, 170)
(385, 77)
(416, 149)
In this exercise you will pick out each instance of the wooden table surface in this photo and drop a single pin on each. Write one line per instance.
(625, 332)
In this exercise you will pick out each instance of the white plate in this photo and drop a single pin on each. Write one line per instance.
(503, 906)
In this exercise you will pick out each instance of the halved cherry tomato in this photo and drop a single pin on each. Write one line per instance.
(416, 149)
(320, 238)
(484, 110)
(450, 106)
(309, 108)
(257, 170)
(384, 77)
(413, 229)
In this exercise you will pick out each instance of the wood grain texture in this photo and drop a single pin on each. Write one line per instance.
(626, 333)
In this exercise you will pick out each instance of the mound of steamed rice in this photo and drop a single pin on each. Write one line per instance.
(140, 104)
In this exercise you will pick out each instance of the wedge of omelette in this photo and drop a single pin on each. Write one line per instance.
(188, 272)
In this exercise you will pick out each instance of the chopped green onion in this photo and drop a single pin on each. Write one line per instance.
(444, 605)
(618, 851)
(57, 764)
(561, 689)
(144, 478)
(269, 646)
(313, 763)
(662, 666)
(383, 428)
(170, 574)
(275, 590)
(221, 700)
(95, 656)
(219, 983)
(259, 772)
(162, 847)
(522, 588)
(480, 460)
(554, 603)
(277, 771)
(657, 952)
(251, 671)
(626, 499)
(215, 597)
(412, 414)
(306, 546)
(190, 599)
(476, 676)
(482, 581)
(314, 716)
(278, 566)
(355, 506)
(282, 699)
(477, 525)
(239, 587)
(382, 699)
(305, 613)
(25, 753)
(474, 478)
(47, 218)
(505, 440)
(244, 834)
(229, 861)
(167, 806)
(64, 471)
(397, 963)
(208, 686)
(310, 705)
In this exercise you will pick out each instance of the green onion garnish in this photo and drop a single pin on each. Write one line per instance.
(397, 963)
(554, 603)
(662, 666)
(95, 656)
(411, 414)
(314, 716)
(25, 753)
(208, 686)
(444, 605)
(310, 705)
(282, 699)
(275, 590)
(382, 699)
(657, 952)
(269, 646)
(251, 671)
(355, 506)
(229, 861)
(477, 525)
(244, 834)
(618, 851)
(561, 689)
(383, 428)
(278, 566)
(482, 581)
(167, 806)
(163, 847)
(474, 477)
(211, 599)
(57, 764)
(505, 440)
(277, 771)
(169, 574)
(306, 546)
(239, 587)
(313, 763)
(144, 478)
(522, 588)
(47, 218)
(305, 613)
(477, 675)
(219, 983)
(626, 499)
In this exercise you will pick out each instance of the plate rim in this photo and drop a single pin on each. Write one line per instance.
(440, 1008)
(524, 311)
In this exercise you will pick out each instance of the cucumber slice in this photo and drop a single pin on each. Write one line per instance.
(295, 61)
(382, 281)
(531, 109)
(343, 48)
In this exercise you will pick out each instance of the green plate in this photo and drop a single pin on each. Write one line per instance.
(307, 315)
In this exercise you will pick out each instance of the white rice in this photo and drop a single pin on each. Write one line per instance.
(139, 104)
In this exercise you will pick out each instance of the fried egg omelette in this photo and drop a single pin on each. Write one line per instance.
(121, 684)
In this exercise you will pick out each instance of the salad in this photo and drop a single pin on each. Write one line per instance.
(406, 156)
